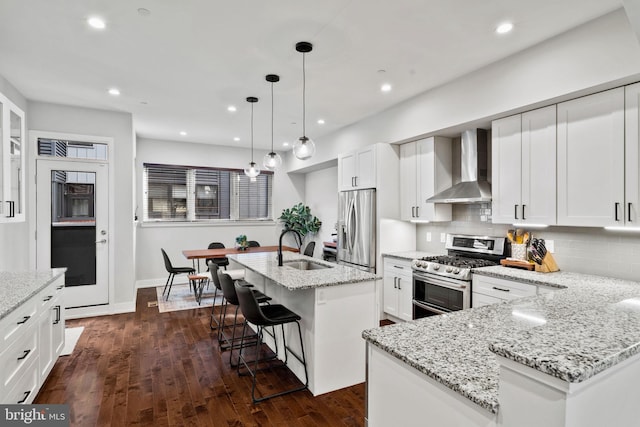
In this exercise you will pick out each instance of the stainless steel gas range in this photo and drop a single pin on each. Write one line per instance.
(442, 284)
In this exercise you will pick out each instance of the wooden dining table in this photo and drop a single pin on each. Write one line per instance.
(198, 254)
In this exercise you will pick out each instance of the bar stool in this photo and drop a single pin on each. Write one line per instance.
(213, 270)
(198, 281)
(261, 316)
(231, 297)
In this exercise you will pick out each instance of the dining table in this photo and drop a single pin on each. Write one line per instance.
(198, 254)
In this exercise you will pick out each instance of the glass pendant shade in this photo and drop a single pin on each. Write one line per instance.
(272, 161)
(304, 148)
(252, 171)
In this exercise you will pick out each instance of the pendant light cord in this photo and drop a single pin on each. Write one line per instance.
(271, 117)
(252, 133)
(304, 97)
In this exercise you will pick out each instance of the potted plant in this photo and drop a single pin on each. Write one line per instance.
(241, 242)
(299, 218)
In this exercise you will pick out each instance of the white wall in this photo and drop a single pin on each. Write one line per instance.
(321, 190)
(14, 250)
(288, 189)
(116, 125)
(595, 55)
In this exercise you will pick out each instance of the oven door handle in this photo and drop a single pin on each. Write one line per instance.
(429, 308)
(434, 280)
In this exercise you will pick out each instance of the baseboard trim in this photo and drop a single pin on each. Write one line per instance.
(100, 310)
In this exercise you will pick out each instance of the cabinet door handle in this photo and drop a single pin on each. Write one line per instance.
(399, 287)
(60, 287)
(615, 207)
(11, 209)
(501, 289)
(629, 212)
(413, 211)
(48, 298)
(26, 395)
(24, 354)
(395, 283)
(523, 212)
(355, 179)
(24, 320)
(417, 211)
(515, 211)
(58, 316)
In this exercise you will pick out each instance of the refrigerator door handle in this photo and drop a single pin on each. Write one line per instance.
(356, 223)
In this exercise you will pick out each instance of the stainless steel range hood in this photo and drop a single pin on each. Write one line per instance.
(474, 187)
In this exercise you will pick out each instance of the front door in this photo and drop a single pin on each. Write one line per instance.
(72, 227)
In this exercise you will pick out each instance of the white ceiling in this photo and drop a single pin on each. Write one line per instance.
(179, 67)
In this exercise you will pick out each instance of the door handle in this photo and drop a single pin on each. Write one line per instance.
(399, 287)
(101, 241)
(629, 211)
(395, 283)
(413, 211)
(615, 206)
(515, 211)
(523, 212)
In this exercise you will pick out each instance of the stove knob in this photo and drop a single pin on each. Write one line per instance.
(436, 267)
(456, 270)
(449, 269)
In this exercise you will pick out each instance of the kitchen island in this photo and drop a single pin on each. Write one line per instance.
(336, 304)
(565, 358)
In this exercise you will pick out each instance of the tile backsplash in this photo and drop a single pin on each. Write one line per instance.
(580, 249)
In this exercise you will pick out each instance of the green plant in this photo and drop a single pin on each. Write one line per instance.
(300, 219)
(241, 241)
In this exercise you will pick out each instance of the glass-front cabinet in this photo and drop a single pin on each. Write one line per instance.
(12, 161)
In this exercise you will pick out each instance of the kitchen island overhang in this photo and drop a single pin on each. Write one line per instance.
(335, 303)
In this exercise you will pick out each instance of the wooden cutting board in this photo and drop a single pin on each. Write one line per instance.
(517, 264)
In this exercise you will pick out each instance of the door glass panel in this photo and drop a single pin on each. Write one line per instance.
(72, 149)
(73, 225)
(15, 156)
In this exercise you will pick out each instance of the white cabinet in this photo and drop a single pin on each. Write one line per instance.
(32, 338)
(632, 156)
(524, 168)
(425, 169)
(489, 290)
(357, 170)
(12, 161)
(398, 288)
(591, 160)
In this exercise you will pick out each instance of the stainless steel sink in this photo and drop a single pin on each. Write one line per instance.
(305, 265)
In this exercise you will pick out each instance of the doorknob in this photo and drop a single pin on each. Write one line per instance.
(101, 241)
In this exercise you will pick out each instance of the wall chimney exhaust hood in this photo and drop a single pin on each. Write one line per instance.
(473, 187)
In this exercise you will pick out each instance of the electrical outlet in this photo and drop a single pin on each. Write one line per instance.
(428, 236)
(443, 237)
(549, 244)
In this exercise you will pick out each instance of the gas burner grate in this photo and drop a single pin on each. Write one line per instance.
(461, 262)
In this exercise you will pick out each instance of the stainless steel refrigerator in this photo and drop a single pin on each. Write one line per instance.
(357, 229)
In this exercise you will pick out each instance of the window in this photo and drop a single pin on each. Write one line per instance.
(183, 193)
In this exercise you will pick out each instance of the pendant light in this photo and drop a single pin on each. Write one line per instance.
(252, 172)
(304, 148)
(272, 161)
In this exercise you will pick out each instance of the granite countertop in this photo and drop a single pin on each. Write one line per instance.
(409, 255)
(266, 264)
(17, 287)
(588, 325)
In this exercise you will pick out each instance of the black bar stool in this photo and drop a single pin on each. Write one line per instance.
(231, 297)
(261, 316)
(213, 270)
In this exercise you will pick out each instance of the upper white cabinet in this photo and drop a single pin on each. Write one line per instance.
(425, 169)
(591, 160)
(632, 155)
(357, 170)
(12, 161)
(524, 168)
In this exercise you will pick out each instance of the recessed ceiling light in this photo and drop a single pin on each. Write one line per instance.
(232, 108)
(183, 133)
(320, 121)
(114, 91)
(504, 28)
(386, 87)
(285, 144)
(97, 23)
(236, 138)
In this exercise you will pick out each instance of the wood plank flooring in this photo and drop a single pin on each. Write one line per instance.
(165, 369)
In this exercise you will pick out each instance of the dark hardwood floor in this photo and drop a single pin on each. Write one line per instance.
(166, 369)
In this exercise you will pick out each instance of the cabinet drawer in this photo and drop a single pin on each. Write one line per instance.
(17, 322)
(478, 300)
(502, 289)
(16, 358)
(25, 388)
(397, 267)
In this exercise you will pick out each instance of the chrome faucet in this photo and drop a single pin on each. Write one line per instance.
(280, 244)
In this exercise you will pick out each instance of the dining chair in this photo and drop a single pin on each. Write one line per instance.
(308, 251)
(253, 244)
(172, 273)
(222, 261)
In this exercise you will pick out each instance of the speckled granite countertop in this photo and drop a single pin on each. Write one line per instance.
(17, 287)
(266, 264)
(409, 255)
(572, 334)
